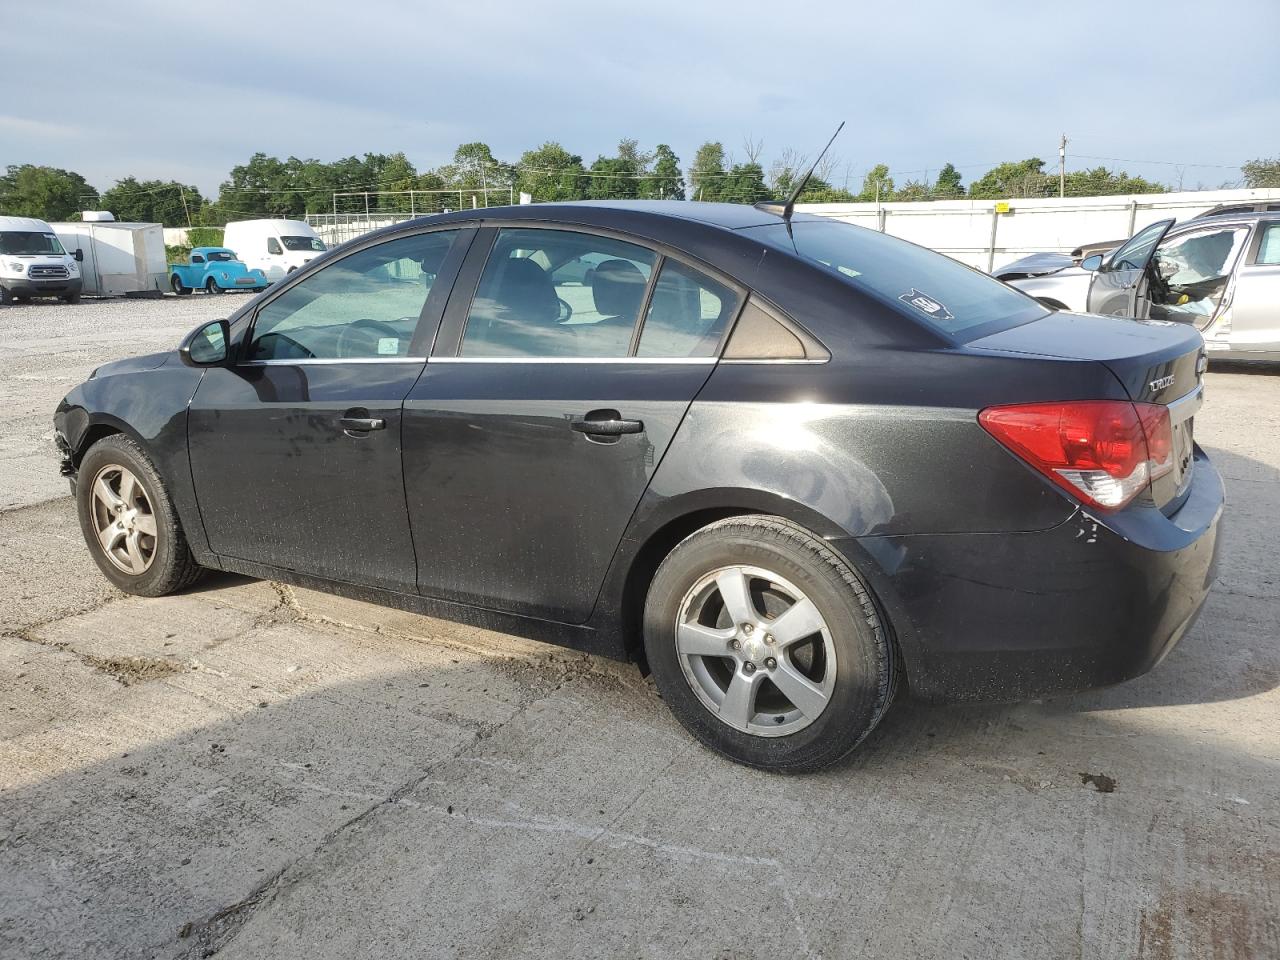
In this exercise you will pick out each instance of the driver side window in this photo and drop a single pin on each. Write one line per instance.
(364, 306)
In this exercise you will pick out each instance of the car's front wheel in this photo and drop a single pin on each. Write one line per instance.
(211, 286)
(129, 521)
(767, 645)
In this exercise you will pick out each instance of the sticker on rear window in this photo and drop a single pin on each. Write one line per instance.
(388, 346)
(927, 305)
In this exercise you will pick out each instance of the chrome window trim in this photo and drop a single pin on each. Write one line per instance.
(776, 360)
(703, 361)
(317, 361)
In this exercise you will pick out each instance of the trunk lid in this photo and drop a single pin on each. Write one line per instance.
(1157, 361)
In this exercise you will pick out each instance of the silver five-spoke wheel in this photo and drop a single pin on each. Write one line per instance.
(756, 651)
(123, 519)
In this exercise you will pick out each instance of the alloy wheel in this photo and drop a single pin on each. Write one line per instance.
(123, 519)
(756, 651)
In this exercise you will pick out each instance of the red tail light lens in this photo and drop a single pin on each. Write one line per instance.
(1104, 452)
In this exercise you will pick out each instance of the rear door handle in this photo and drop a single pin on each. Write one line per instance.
(608, 425)
(361, 424)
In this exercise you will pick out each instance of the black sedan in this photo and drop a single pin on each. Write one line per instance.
(788, 465)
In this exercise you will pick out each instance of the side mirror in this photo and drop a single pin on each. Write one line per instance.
(206, 345)
(79, 255)
(1092, 264)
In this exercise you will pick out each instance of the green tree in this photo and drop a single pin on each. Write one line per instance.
(27, 190)
(664, 181)
(914, 190)
(475, 168)
(154, 201)
(551, 173)
(1259, 173)
(612, 178)
(877, 184)
(707, 175)
(744, 183)
(948, 185)
(1025, 178)
(1101, 182)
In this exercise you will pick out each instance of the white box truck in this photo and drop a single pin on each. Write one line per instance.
(34, 263)
(276, 247)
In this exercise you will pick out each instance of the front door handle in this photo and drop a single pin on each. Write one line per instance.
(606, 423)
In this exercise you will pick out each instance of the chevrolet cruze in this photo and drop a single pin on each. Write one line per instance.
(789, 465)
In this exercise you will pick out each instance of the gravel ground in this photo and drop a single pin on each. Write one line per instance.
(250, 770)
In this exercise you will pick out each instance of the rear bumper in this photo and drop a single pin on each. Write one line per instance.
(1088, 603)
(43, 288)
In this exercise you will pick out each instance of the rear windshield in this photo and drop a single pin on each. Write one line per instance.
(945, 294)
(302, 243)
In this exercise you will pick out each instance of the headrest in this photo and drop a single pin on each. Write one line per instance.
(618, 288)
(525, 293)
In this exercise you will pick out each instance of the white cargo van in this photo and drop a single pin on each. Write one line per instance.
(33, 262)
(276, 247)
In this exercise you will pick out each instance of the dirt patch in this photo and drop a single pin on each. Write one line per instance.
(131, 670)
(1101, 782)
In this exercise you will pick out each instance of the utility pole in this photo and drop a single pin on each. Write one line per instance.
(182, 191)
(1062, 166)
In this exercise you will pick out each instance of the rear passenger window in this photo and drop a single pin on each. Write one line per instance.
(688, 314)
(557, 293)
(1269, 250)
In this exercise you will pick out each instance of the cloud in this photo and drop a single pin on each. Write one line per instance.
(136, 88)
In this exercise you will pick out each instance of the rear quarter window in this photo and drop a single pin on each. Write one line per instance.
(927, 287)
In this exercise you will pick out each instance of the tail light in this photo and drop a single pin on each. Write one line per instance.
(1103, 452)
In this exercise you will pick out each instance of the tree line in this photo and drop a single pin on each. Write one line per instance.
(267, 186)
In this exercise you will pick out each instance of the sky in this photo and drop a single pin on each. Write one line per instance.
(1179, 92)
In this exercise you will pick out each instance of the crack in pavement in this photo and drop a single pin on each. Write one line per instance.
(211, 935)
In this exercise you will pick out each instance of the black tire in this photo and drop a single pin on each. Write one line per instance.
(70, 298)
(178, 287)
(172, 566)
(5, 296)
(211, 286)
(23, 298)
(864, 676)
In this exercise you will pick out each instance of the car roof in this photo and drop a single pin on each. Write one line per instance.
(1220, 218)
(212, 250)
(728, 216)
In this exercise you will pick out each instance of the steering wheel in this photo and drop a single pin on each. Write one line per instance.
(360, 338)
(566, 311)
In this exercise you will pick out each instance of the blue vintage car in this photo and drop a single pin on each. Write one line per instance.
(215, 270)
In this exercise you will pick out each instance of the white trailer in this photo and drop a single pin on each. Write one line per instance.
(120, 259)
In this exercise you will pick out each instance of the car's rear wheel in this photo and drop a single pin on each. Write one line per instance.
(211, 286)
(129, 521)
(767, 645)
(178, 287)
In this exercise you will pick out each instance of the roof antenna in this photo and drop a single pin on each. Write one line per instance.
(787, 207)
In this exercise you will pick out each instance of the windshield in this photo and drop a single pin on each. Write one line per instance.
(23, 244)
(221, 256)
(302, 243)
(944, 293)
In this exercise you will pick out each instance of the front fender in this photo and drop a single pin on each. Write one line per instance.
(148, 403)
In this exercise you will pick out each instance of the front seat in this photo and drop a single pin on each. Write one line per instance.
(517, 313)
